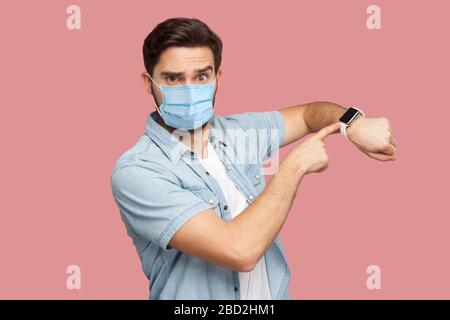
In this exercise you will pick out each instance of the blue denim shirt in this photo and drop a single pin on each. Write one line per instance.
(159, 184)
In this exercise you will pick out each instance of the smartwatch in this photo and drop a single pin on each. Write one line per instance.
(348, 117)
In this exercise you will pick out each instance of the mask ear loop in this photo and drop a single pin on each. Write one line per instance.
(148, 75)
(157, 108)
(214, 87)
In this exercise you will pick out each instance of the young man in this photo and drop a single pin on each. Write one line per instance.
(191, 191)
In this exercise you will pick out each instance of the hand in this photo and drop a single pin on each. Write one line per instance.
(373, 136)
(310, 156)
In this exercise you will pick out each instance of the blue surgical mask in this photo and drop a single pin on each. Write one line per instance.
(186, 107)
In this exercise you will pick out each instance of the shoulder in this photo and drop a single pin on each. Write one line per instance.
(143, 159)
(249, 120)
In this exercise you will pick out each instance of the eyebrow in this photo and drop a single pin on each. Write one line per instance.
(170, 73)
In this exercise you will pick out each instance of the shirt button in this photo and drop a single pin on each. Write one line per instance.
(225, 207)
(251, 197)
(207, 173)
(228, 167)
(211, 201)
(257, 177)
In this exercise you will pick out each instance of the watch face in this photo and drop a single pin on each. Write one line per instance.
(349, 115)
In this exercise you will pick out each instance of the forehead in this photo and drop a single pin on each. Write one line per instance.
(184, 59)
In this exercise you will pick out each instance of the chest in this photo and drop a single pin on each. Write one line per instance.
(226, 186)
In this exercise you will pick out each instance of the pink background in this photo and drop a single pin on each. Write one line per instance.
(72, 101)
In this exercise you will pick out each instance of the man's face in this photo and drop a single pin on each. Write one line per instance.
(179, 66)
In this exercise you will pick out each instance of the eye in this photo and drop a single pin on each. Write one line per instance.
(171, 79)
(203, 77)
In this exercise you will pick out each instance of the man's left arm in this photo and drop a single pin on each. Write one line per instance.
(372, 136)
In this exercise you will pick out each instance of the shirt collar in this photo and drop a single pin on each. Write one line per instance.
(169, 144)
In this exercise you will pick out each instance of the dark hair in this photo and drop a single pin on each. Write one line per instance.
(180, 32)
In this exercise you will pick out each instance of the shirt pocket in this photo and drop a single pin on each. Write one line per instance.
(255, 175)
(206, 195)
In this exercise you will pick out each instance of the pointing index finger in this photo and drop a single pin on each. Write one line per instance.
(326, 131)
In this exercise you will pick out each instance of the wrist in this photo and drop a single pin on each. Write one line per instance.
(292, 170)
(348, 119)
(354, 124)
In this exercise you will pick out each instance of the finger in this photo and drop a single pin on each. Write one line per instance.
(326, 131)
(393, 142)
(392, 131)
(388, 150)
(381, 156)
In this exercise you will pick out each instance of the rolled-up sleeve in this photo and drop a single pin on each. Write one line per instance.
(152, 202)
(269, 130)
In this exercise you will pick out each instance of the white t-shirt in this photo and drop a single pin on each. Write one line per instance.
(254, 284)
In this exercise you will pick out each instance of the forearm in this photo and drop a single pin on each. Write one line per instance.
(255, 229)
(320, 114)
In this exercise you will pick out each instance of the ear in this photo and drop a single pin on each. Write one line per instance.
(218, 78)
(147, 82)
